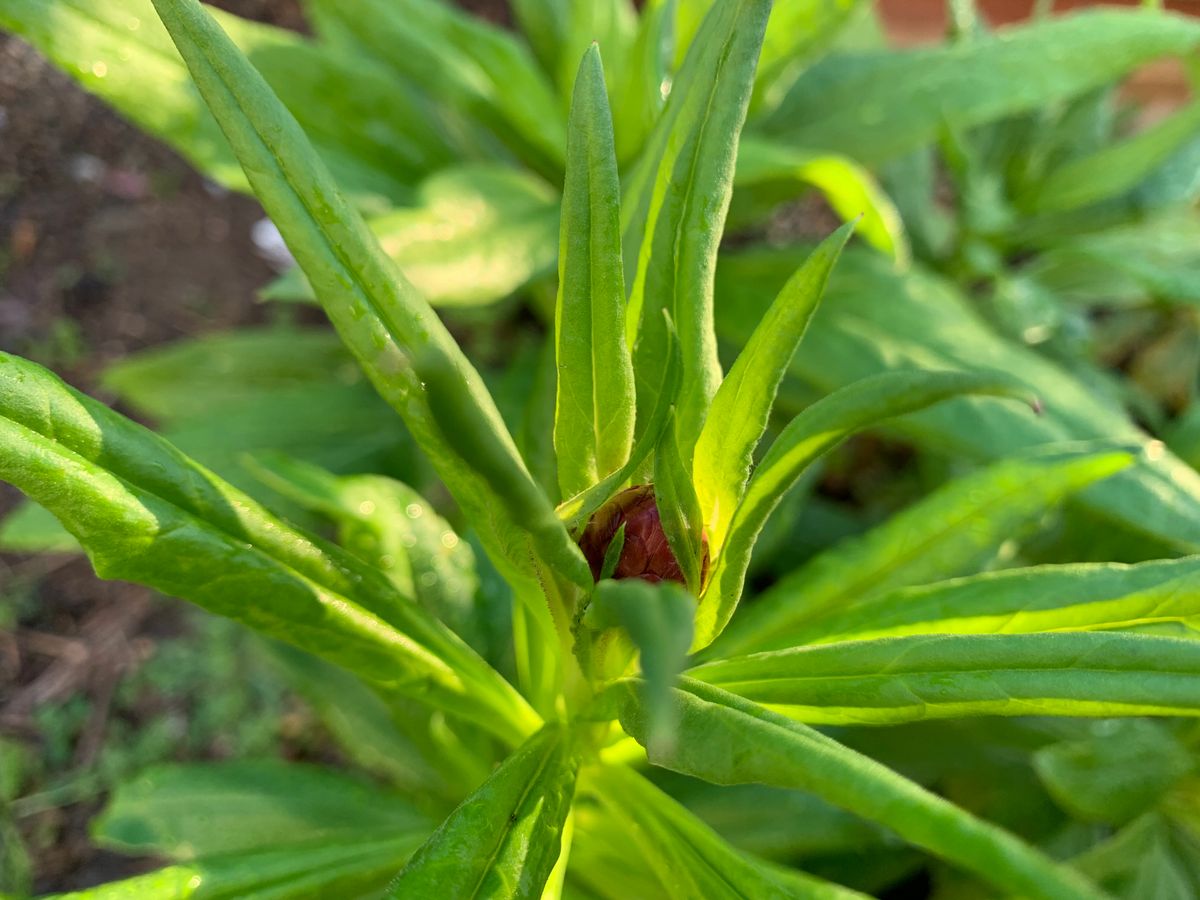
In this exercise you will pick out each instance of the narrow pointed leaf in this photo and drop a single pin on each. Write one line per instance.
(593, 427)
(1117, 168)
(725, 739)
(343, 869)
(949, 533)
(677, 200)
(193, 811)
(473, 234)
(966, 84)
(377, 312)
(742, 405)
(679, 509)
(471, 67)
(575, 511)
(544, 24)
(931, 324)
(504, 839)
(392, 528)
(639, 95)
(814, 432)
(919, 677)
(144, 512)
(1021, 601)
(658, 619)
(688, 858)
(772, 168)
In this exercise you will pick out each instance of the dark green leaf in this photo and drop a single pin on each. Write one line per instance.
(882, 105)
(504, 839)
(658, 619)
(145, 512)
(476, 234)
(727, 740)
(1122, 770)
(195, 811)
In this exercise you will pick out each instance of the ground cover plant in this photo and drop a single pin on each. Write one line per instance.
(539, 724)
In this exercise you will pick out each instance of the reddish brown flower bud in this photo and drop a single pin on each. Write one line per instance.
(646, 554)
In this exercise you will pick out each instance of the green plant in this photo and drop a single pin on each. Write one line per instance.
(461, 183)
(641, 398)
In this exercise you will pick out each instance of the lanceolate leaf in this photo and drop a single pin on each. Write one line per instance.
(475, 234)
(209, 809)
(145, 512)
(678, 197)
(575, 511)
(687, 857)
(378, 314)
(727, 740)
(343, 869)
(544, 24)
(929, 324)
(742, 405)
(948, 533)
(658, 619)
(392, 528)
(504, 839)
(1020, 601)
(638, 98)
(472, 67)
(879, 106)
(812, 433)
(947, 676)
(1116, 168)
(593, 428)
(764, 165)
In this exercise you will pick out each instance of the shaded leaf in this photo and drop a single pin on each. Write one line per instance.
(727, 740)
(914, 94)
(1121, 770)
(658, 619)
(687, 857)
(476, 234)
(145, 512)
(194, 811)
